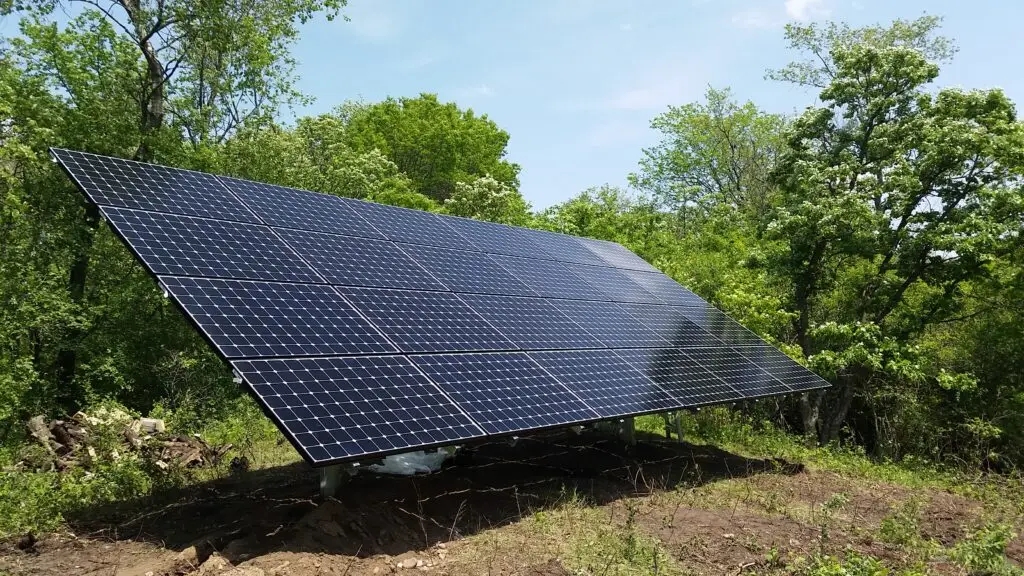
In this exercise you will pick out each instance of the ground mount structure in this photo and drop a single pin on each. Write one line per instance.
(365, 330)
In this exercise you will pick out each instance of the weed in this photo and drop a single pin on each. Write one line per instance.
(984, 552)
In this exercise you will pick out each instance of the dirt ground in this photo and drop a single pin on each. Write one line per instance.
(711, 511)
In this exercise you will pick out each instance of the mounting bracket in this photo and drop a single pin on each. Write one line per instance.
(331, 478)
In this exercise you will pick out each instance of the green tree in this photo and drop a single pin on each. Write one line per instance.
(893, 198)
(435, 144)
(713, 154)
(488, 199)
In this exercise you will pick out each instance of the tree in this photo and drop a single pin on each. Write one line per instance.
(436, 145)
(892, 199)
(719, 153)
(488, 199)
(130, 78)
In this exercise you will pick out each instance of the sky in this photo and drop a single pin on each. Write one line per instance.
(576, 83)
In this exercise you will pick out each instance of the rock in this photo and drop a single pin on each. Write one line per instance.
(409, 563)
(37, 427)
(215, 564)
(152, 425)
(189, 556)
(419, 562)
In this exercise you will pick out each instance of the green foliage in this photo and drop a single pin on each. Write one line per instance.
(435, 144)
(984, 552)
(488, 199)
(852, 564)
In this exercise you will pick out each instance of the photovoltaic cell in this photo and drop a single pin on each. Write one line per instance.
(246, 319)
(349, 261)
(670, 323)
(337, 408)
(782, 367)
(496, 238)
(185, 246)
(719, 325)
(606, 382)
(613, 284)
(742, 375)
(426, 321)
(548, 278)
(563, 248)
(666, 289)
(681, 375)
(468, 272)
(616, 255)
(411, 226)
(505, 392)
(532, 323)
(127, 184)
(293, 208)
(609, 323)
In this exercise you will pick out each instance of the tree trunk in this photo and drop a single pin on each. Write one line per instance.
(67, 357)
(830, 430)
(810, 411)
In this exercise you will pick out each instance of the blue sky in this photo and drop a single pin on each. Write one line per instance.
(576, 83)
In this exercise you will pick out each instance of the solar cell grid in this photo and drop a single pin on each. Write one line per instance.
(505, 392)
(496, 238)
(411, 226)
(175, 245)
(352, 261)
(609, 323)
(335, 408)
(426, 321)
(531, 323)
(719, 325)
(670, 323)
(746, 378)
(127, 184)
(606, 382)
(245, 318)
(293, 208)
(467, 272)
(681, 375)
(548, 278)
(782, 367)
(616, 255)
(563, 248)
(664, 288)
(613, 284)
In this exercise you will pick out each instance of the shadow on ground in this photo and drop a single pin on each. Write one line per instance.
(487, 486)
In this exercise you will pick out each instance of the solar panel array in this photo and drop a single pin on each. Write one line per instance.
(365, 329)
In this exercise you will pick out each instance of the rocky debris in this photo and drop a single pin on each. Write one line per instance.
(111, 434)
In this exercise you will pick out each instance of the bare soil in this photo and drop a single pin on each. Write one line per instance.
(729, 513)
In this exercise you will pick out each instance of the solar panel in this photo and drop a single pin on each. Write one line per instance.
(666, 289)
(411, 226)
(185, 246)
(742, 375)
(469, 272)
(292, 208)
(426, 321)
(505, 392)
(245, 319)
(352, 261)
(532, 323)
(127, 184)
(337, 408)
(670, 323)
(495, 238)
(681, 375)
(606, 382)
(609, 323)
(782, 367)
(616, 255)
(548, 278)
(563, 248)
(365, 329)
(719, 325)
(613, 284)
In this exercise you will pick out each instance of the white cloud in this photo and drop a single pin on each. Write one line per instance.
(478, 91)
(755, 19)
(371, 22)
(804, 10)
(627, 27)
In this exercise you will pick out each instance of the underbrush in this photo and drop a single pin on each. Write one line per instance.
(39, 502)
